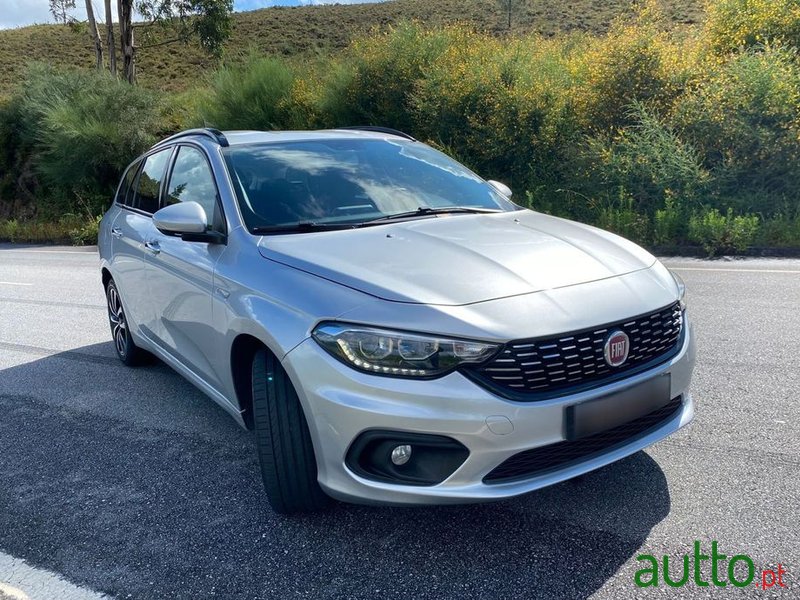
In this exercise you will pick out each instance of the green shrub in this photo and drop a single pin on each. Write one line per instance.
(334, 79)
(623, 218)
(9, 230)
(780, 231)
(256, 94)
(743, 117)
(647, 161)
(183, 110)
(85, 233)
(718, 233)
(15, 170)
(670, 224)
(68, 229)
(78, 130)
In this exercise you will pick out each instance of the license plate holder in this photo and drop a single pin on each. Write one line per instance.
(607, 412)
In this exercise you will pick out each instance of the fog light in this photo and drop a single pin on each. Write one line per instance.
(382, 455)
(401, 454)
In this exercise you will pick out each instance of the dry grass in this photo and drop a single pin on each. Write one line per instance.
(313, 29)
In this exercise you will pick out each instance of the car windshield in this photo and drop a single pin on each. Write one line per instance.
(349, 182)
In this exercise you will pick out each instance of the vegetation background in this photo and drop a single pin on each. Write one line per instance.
(673, 123)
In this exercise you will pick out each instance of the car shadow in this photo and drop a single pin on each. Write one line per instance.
(131, 482)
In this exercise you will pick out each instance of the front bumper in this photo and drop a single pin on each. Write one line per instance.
(340, 403)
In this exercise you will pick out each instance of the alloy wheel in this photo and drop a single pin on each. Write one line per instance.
(119, 327)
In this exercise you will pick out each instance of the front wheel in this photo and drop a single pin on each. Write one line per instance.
(127, 351)
(288, 465)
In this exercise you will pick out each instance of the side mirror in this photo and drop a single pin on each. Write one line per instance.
(184, 217)
(187, 220)
(501, 187)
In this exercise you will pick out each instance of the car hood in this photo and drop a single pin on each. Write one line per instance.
(460, 259)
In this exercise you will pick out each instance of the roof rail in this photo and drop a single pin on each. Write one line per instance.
(377, 129)
(209, 132)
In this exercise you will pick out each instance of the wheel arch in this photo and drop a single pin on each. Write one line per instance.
(106, 275)
(243, 351)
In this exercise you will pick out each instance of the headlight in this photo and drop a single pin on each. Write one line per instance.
(681, 289)
(396, 353)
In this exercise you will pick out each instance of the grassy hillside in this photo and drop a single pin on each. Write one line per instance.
(293, 31)
(669, 135)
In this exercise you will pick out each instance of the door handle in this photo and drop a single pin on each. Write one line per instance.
(116, 232)
(152, 246)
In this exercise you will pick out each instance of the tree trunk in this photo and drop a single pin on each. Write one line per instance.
(112, 50)
(126, 39)
(95, 34)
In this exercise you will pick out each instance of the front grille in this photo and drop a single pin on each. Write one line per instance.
(543, 368)
(563, 454)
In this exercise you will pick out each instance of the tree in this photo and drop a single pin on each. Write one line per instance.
(94, 33)
(60, 8)
(209, 21)
(125, 8)
(112, 51)
(510, 8)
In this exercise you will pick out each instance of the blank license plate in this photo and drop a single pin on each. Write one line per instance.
(615, 409)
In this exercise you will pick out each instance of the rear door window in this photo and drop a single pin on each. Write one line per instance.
(148, 186)
(123, 193)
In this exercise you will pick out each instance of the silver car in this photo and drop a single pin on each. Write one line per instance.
(392, 327)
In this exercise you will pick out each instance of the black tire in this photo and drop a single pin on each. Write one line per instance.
(288, 464)
(127, 351)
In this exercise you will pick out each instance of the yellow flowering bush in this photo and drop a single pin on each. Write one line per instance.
(636, 61)
(740, 24)
(502, 104)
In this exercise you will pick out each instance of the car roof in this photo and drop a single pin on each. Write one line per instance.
(238, 138)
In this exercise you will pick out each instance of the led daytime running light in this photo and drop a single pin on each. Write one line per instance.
(399, 354)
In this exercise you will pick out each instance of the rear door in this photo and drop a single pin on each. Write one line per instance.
(180, 275)
(138, 197)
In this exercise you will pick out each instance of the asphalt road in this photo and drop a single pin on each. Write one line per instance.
(128, 482)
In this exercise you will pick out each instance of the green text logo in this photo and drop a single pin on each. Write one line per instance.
(722, 573)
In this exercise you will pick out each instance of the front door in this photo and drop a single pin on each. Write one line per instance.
(180, 275)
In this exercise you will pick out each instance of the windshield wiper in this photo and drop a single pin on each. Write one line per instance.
(424, 211)
(303, 227)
